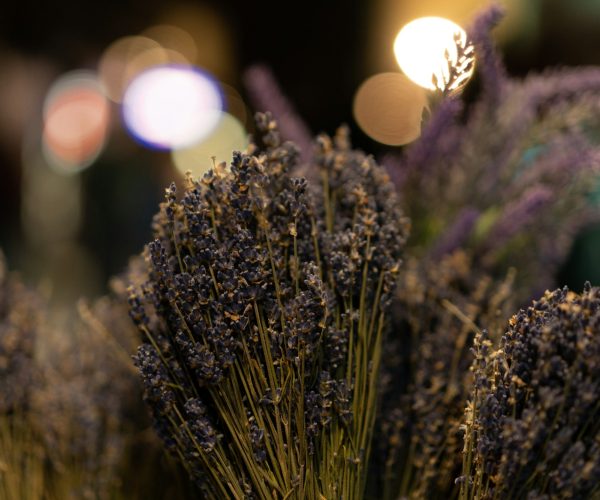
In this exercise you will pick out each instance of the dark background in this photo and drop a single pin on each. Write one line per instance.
(319, 50)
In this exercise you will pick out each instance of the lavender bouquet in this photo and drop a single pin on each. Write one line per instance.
(496, 192)
(292, 341)
(264, 316)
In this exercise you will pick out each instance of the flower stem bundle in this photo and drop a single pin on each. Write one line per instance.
(264, 315)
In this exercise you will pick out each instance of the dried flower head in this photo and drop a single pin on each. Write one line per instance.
(458, 71)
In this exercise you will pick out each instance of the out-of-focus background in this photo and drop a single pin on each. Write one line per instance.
(86, 148)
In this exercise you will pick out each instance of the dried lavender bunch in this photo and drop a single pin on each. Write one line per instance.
(500, 177)
(86, 413)
(26, 469)
(261, 371)
(85, 408)
(532, 427)
(426, 378)
(21, 316)
(488, 185)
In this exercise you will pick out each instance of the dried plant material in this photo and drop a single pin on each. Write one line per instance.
(531, 426)
(264, 320)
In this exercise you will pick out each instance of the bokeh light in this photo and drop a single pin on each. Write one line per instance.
(234, 104)
(211, 34)
(170, 107)
(388, 107)
(521, 25)
(175, 39)
(76, 119)
(115, 65)
(156, 56)
(421, 47)
(229, 136)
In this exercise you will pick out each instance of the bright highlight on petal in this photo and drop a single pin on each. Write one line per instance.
(425, 47)
(171, 107)
(76, 118)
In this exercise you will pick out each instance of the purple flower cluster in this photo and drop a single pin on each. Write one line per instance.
(521, 156)
(496, 193)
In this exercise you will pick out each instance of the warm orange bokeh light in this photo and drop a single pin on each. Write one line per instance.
(173, 38)
(76, 123)
(388, 108)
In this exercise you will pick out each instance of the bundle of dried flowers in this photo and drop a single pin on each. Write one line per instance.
(426, 380)
(21, 315)
(266, 317)
(87, 412)
(486, 189)
(532, 426)
(82, 408)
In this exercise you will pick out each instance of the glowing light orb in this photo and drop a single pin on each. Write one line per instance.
(76, 119)
(117, 65)
(388, 107)
(421, 48)
(129, 56)
(171, 107)
(229, 136)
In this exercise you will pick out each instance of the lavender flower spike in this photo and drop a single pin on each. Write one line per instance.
(492, 70)
(267, 96)
(438, 138)
(457, 234)
(517, 215)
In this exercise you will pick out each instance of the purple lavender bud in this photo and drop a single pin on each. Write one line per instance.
(456, 234)
(561, 162)
(440, 138)
(518, 216)
(491, 69)
(266, 95)
(555, 86)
